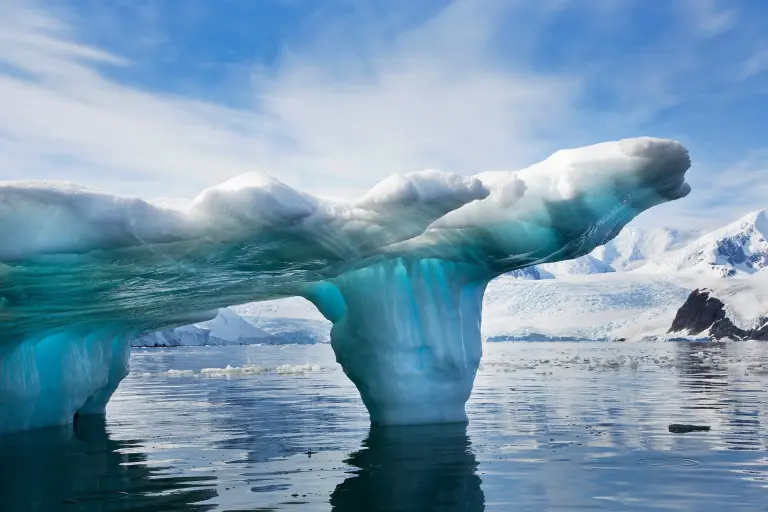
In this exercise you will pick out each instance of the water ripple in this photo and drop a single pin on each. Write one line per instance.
(553, 426)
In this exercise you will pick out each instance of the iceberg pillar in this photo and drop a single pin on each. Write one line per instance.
(46, 381)
(407, 334)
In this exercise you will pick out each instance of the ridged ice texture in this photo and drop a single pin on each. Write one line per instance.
(400, 272)
(44, 380)
(408, 336)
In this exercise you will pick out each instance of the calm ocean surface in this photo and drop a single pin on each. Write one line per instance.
(553, 426)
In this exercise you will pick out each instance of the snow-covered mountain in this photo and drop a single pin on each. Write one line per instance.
(283, 321)
(532, 273)
(735, 308)
(656, 271)
(585, 265)
(633, 247)
(738, 248)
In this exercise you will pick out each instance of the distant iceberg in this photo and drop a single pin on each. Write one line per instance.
(400, 273)
(226, 328)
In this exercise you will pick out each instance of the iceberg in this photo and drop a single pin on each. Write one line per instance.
(400, 272)
(227, 328)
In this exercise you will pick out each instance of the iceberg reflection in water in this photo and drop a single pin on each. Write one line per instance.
(429, 467)
(82, 468)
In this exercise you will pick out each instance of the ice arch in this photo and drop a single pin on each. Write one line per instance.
(400, 272)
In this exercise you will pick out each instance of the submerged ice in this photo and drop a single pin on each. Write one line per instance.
(401, 272)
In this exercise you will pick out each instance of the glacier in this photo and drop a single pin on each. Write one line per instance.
(400, 272)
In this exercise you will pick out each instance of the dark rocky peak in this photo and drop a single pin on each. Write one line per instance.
(702, 311)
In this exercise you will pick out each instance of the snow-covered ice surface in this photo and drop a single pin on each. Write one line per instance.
(746, 300)
(594, 307)
(400, 273)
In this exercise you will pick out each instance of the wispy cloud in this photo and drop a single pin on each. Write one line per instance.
(709, 17)
(430, 97)
(721, 196)
(756, 64)
(461, 88)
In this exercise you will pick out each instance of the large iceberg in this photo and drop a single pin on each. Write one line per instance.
(400, 272)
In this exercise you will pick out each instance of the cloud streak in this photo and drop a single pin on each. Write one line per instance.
(431, 98)
(356, 101)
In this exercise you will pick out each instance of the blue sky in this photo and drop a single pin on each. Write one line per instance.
(161, 98)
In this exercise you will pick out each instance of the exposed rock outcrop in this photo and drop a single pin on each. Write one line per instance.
(703, 312)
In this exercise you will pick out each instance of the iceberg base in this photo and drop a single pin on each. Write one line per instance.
(46, 381)
(407, 333)
(425, 413)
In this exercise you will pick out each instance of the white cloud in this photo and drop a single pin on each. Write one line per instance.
(332, 118)
(756, 64)
(430, 98)
(709, 17)
(719, 196)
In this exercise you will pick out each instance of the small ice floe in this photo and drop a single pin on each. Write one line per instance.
(180, 373)
(229, 370)
(234, 370)
(297, 369)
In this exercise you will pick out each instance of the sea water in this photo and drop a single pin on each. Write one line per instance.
(553, 426)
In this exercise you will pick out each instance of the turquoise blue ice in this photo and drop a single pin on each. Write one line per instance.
(400, 272)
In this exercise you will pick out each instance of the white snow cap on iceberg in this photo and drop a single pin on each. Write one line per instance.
(41, 217)
(50, 218)
(430, 187)
(251, 199)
